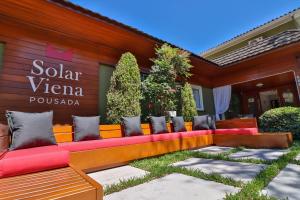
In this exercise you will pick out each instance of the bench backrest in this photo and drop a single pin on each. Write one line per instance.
(237, 123)
(64, 133)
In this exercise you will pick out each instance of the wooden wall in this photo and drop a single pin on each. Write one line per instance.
(271, 63)
(15, 89)
(28, 27)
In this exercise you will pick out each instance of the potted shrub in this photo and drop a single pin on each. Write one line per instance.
(124, 95)
(159, 88)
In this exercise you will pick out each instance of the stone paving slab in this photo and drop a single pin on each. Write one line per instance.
(115, 175)
(286, 184)
(260, 154)
(238, 171)
(175, 187)
(214, 149)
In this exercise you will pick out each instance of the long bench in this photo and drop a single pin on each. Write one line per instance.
(260, 140)
(114, 150)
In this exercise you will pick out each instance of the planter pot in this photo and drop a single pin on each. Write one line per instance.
(171, 113)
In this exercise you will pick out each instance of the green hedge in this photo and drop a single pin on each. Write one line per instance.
(284, 119)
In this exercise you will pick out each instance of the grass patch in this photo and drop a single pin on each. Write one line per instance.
(252, 189)
(124, 184)
(225, 157)
(161, 166)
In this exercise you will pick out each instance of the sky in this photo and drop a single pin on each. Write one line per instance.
(194, 25)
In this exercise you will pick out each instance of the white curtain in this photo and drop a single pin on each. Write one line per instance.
(222, 96)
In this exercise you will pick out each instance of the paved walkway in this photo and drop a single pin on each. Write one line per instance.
(115, 175)
(178, 186)
(261, 154)
(175, 187)
(286, 184)
(214, 150)
(235, 170)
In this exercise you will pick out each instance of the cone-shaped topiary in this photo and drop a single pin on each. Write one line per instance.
(188, 109)
(124, 95)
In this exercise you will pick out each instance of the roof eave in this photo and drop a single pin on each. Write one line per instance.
(258, 55)
(250, 34)
(87, 12)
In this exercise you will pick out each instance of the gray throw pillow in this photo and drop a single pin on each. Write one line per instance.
(211, 120)
(30, 129)
(86, 128)
(159, 125)
(131, 126)
(178, 124)
(200, 123)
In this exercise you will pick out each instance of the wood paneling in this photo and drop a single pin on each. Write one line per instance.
(91, 160)
(269, 82)
(271, 63)
(63, 133)
(27, 27)
(264, 140)
(15, 89)
(237, 123)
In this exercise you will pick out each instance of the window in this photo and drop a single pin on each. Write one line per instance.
(197, 92)
(1, 53)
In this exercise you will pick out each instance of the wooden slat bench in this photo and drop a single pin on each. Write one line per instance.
(96, 159)
(65, 184)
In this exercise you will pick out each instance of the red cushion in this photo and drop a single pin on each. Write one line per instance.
(196, 133)
(113, 142)
(104, 143)
(237, 131)
(31, 160)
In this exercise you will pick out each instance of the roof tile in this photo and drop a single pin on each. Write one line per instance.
(267, 44)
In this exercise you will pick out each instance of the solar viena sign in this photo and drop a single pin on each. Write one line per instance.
(54, 85)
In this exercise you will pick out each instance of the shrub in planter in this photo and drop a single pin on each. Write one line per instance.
(124, 95)
(188, 109)
(284, 119)
(159, 88)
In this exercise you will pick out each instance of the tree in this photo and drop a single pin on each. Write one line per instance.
(188, 107)
(124, 95)
(159, 88)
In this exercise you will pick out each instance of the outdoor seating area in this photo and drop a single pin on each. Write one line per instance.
(94, 109)
(111, 151)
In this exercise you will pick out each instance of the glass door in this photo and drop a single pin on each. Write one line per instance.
(288, 96)
(251, 106)
(269, 99)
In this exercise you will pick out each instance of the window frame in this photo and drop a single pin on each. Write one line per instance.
(2, 45)
(199, 88)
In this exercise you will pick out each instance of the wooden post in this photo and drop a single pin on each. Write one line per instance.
(297, 75)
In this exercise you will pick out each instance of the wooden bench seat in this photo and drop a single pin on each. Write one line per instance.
(65, 184)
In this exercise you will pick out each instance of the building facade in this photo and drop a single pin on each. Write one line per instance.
(58, 56)
(261, 65)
